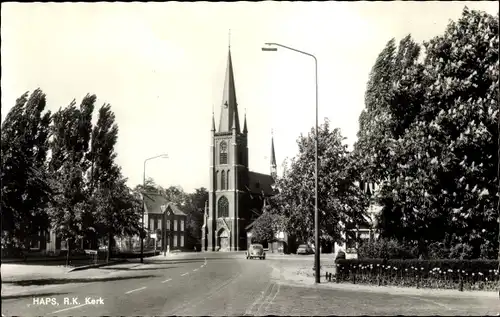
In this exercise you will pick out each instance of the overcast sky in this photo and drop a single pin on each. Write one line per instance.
(161, 66)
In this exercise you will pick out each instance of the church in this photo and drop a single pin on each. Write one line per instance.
(236, 195)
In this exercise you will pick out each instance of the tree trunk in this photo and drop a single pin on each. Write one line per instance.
(108, 254)
(68, 247)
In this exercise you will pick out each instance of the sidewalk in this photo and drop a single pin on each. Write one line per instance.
(20, 280)
(302, 276)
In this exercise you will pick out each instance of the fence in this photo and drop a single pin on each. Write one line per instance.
(481, 277)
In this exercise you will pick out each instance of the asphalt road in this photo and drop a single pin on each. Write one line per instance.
(221, 284)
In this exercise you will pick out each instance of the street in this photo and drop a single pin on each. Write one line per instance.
(199, 284)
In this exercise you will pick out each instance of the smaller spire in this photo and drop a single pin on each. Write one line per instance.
(213, 122)
(273, 157)
(245, 130)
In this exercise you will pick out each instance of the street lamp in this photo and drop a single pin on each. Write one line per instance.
(143, 189)
(272, 47)
(164, 227)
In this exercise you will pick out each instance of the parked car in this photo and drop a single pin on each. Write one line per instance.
(256, 251)
(304, 249)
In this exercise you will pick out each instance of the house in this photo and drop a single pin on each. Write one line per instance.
(366, 231)
(164, 221)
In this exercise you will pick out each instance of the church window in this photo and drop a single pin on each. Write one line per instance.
(227, 180)
(223, 180)
(217, 184)
(223, 207)
(223, 153)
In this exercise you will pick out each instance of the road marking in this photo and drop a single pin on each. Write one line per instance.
(134, 290)
(69, 308)
(431, 301)
(195, 270)
(265, 300)
(249, 311)
(167, 280)
(185, 274)
(274, 297)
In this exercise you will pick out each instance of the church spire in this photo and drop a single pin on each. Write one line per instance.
(229, 108)
(273, 158)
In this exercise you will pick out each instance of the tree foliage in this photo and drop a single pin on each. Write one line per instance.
(340, 200)
(25, 189)
(429, 136)
(71, 133)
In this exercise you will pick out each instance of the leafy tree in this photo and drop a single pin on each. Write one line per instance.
(195, 209)
(340, 200)
(71, 133)
(25, 190)
(103, 171)
(433, 134)
(265, 227)
(176, 195)
(118, 210)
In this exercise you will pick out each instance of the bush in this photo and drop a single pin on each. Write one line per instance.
(447, 273)
(461, 251)
(384, 249)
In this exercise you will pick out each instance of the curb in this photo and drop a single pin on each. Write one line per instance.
(93, 266)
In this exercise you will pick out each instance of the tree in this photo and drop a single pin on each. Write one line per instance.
(431, 128)
(195, 210)
(71, 133)
(265, 228)
(117, 210)
(103, 172)
(340, 200)
(25, 190)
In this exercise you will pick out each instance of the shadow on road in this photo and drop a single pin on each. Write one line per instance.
(134, 269)
(30, 295)
(54, 281)
(184, 260)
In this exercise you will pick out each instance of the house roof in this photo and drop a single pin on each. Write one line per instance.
(260, 183)
(154, 201)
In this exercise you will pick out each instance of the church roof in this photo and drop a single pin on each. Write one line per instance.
(260, 183)
(154, 201)
(229, 109)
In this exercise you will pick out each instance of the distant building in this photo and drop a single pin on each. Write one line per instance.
(236, 195)
(366, 231)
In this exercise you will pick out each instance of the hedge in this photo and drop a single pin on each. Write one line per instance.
(449, 274)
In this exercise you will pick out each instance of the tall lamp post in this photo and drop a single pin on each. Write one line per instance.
(143, 189)
(164, 231)
(272, 47)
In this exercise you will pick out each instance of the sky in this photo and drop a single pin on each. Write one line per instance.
(161, 66)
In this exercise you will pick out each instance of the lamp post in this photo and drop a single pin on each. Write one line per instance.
(272, 47)
(164, 227)
(143, 189)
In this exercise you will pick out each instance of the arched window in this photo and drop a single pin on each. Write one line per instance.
(223, 180)
(217, 184)
(223, 153)
(223, 207)
(227, 180)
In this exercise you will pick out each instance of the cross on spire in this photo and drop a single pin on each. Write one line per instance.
(229, 38)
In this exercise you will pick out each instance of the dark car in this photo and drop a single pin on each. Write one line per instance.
(304, 249)
(256, 251)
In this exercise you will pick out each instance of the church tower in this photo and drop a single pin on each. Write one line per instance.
(228, 173)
